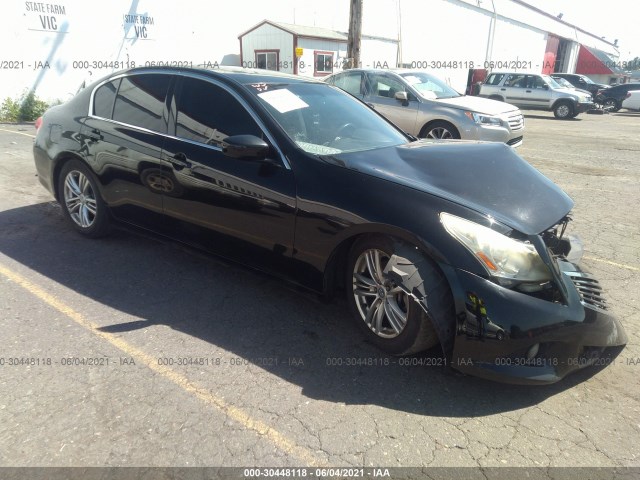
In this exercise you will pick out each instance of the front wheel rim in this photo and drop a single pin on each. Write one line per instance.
(80, 199)
(563, 111)
(382, 305)
(439, 133)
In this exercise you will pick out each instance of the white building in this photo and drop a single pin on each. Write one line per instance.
(452, 36)
(309, 51)
(53, 47)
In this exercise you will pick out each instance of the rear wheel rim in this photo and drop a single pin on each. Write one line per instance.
(382, 305)
(80, 199)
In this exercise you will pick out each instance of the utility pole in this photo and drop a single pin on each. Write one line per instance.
(355, 34)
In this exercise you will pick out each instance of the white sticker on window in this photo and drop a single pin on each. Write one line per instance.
(412, 80)
(283, 100)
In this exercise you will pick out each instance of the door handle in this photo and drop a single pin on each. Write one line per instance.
(503, 89)
(179, 161)
(528, 91)
(95, 134)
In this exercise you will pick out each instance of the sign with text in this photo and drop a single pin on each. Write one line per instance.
(46, 17)
(138, 26)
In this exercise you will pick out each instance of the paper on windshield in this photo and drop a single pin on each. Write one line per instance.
(412, 79)
(283, 100)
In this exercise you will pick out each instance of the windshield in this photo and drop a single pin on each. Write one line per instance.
(563, 82)
(552, 83)
(324, 120)
(588, 80)
(429, 86)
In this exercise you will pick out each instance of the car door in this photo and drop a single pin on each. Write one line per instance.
(381, 90)
(242, 209)
(123, 138)
(538, 92)
(513, 90)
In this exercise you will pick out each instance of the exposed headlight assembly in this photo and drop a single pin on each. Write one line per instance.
(482, 119)
(510, 261)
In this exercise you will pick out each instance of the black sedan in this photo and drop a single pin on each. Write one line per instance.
(453, 243)
(613, 97)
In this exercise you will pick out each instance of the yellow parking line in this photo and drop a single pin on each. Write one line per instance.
(19, 133)
(621, 265)
(279, 440)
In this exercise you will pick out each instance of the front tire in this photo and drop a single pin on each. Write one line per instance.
(80, 199)
(563, 110)
(440, 131)
(389, 318)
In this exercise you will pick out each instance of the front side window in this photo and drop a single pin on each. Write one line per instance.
(267, 60)
(385, 86)
(207, 113)
(140, 101)
(536, 82)
(103, 99)
(323, 63)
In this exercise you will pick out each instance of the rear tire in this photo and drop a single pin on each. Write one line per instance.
(80, 199)
(613, 103)
(389, 318)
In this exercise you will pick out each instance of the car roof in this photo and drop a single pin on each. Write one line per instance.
(238, 74)
(397, 71)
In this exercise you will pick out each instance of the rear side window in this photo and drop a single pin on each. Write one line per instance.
(350, 82)
(518, 81)
(208, 114)
(104, 98)
(494, 79)
(140, 101)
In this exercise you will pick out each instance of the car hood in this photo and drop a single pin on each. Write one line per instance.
(485, 176)
(477, 104)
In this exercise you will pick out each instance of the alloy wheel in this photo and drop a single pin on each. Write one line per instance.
(80, 199)
(440, 133)
(382, 305)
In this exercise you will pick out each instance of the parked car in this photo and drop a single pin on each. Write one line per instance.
(297, 178)
(582, 82)
(566, 84)
(632, 100)
(537, 92)
(426, 107)
(613, 97)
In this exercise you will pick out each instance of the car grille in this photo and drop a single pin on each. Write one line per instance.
(516, 122)
(513, 141)
(589, 289)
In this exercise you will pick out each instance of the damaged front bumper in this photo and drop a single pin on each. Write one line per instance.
(512, 337)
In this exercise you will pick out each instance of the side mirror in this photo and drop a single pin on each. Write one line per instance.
(402, 96)
(245, 146)
(545, 86)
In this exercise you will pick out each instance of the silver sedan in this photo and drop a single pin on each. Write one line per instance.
(425, 106)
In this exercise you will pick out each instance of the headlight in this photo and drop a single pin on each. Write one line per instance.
(511, 261)
(482, 119)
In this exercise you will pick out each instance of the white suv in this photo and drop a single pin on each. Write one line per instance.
(537, 92)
